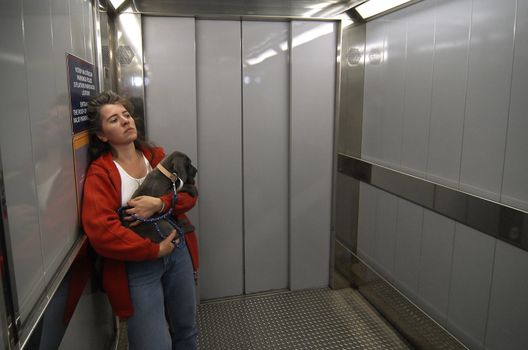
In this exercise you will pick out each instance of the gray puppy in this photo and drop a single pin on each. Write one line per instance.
(157, 184)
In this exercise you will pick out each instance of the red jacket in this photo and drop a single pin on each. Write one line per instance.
(114, 242)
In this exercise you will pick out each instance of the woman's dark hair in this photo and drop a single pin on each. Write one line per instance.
(98, 147)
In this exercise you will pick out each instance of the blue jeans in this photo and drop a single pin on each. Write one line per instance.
(164, 301)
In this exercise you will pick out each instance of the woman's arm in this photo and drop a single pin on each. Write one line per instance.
(184, 203)
(102, 225)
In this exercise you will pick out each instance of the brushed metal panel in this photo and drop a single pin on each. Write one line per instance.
(6, 303)
(170, 81)
(280, 8)
(408, 248)
(51, 142)
(346, 210)
(265, 156)
(488, 97)
(77, 28)
(386, 234)
(351, 89)
(373, 97)
(219, 110)
(129, 65)
(491, 218)
(88, 31)
(507, 321)
(514, 185)
(313, 71)
(453, 19)
(393, 84)
(435, 265)
(411, 188)
(345, 261)
(418, 86)
(469, 293)
(417, 327)
(19, 177)
(451, 203)
(62, 41)
(367, 222)
(39, 69)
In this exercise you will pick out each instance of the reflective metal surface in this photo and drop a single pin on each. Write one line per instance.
(7, 332)
(420, 330)
(31, 322)
(308, 319)
(497, 220)
(352, 62)
(128, 53)
(276, 8)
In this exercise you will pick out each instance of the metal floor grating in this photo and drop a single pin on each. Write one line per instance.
(309, 319)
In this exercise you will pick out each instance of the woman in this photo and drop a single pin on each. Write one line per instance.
(149, 284)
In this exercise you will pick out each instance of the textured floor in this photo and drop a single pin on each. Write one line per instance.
(426, 333)
(310, 319)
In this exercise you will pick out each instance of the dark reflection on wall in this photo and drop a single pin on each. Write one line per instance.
(507, 224)
(50, 331)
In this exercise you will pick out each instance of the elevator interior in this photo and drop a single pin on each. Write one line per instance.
(387, 153)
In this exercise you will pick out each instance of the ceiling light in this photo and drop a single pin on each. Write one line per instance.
(116, 3)
(373, 7)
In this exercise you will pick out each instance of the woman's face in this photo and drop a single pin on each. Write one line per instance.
(117, 125)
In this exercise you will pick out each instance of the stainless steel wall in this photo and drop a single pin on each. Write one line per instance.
(442, 102)
(312, 94)
(219, 63)
(36, 144)
(265, 129)
(260, 137)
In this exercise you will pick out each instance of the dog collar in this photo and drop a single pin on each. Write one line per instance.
(172, 176)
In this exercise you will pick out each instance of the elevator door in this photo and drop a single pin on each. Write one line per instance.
(222, 92)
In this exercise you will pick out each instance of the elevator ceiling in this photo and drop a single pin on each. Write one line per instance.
(273, 8)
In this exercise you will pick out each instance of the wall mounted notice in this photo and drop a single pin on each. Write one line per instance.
(83, 87)
(80, 162)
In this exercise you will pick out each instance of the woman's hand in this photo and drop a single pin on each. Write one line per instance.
(144, 206)
(166, 246)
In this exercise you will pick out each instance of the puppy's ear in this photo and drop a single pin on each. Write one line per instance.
(178, 165)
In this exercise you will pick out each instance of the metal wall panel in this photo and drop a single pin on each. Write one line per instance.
(346, 211)
(435, 265)
(265, 154)
(450, 68)
(367, 222)
(77, 30)
(386, 234)
(514, 185)
(488, 97)
(393, 89)
(219, 109)
(352, 66)
(373, 97)
(507, 321)
(418, 85)
(39, 70)
(170, 83)
(473, 255)
(311, 149)
(15, 139)
(408, 248)
(88, 31)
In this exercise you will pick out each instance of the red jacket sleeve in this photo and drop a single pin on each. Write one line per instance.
(101, 222)
(184, 202)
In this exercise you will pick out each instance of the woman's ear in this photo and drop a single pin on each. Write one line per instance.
(101, 137)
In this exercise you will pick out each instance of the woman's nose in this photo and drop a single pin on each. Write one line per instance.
(124, 120)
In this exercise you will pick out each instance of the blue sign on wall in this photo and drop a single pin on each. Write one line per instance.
(83, 87)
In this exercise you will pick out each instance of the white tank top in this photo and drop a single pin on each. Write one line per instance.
(130, 184)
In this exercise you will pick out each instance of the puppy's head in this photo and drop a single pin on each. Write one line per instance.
(179, 163)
